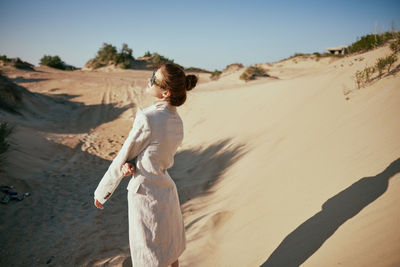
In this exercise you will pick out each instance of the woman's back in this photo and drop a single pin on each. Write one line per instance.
(156, 228)
(165, 136)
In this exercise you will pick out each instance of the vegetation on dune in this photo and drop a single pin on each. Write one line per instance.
(55, 62)
(363, 44)
(395, 45)
(108, 55)
(316, 55)
(195, 69)
(235, 66)
(367, 75)
(52, 61)
(372, 41)
(147, 54)
(16, 62)
(299, 54)
(5, 59)
(215, 75)
(158, 60)
(252, 72)
(231, 67)
(385, 62)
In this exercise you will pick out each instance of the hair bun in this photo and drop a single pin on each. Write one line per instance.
(191, 81)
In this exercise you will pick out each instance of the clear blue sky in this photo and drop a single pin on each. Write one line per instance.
(206, 34)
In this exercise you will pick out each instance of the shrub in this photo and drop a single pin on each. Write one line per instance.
(234, 66)
(97, 65)
(252, 72)
(359, 78)
(108, 55)
(395, 46)
(363, 77)
(124, 58)
(147, 54)
(390, 60)
(215, 75)
(52, 61)
(157, 60)
(17, 63)
(70, 67)
(368, 73)
(5, 59)
(384, 62)
(298, 54)
(370, 41)
(196, 69)
(326, 54)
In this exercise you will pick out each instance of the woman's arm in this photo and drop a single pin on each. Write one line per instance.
(138, 139)
(127, 169)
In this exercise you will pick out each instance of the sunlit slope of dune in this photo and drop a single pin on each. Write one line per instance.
(303, 144)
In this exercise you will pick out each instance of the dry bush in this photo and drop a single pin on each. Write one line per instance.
(252, 72)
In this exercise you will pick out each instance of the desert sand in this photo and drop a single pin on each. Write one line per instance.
(301, 169)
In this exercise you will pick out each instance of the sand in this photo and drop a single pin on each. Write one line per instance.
(299, 170)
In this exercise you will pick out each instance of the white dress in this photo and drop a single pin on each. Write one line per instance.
(156, 229)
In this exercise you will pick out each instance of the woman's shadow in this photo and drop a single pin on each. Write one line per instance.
(306, 239)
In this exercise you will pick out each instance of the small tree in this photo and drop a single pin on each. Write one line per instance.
(107, 53)
(124, 58)
(147, 54)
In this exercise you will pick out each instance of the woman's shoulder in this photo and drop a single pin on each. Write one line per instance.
(159, 111)
(141, 120)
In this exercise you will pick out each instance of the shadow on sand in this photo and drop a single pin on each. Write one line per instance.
(27, 80)
(72, 117)
(196, 170)
(306, 239)
(57, 113)
(62, 181)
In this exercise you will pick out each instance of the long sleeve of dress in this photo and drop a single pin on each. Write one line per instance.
(138, 139)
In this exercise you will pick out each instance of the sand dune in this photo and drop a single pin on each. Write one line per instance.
(299, 170)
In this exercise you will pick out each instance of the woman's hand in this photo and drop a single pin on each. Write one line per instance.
(127, 169)
(98, 204)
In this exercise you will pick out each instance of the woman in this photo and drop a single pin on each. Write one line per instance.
(156, 229)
